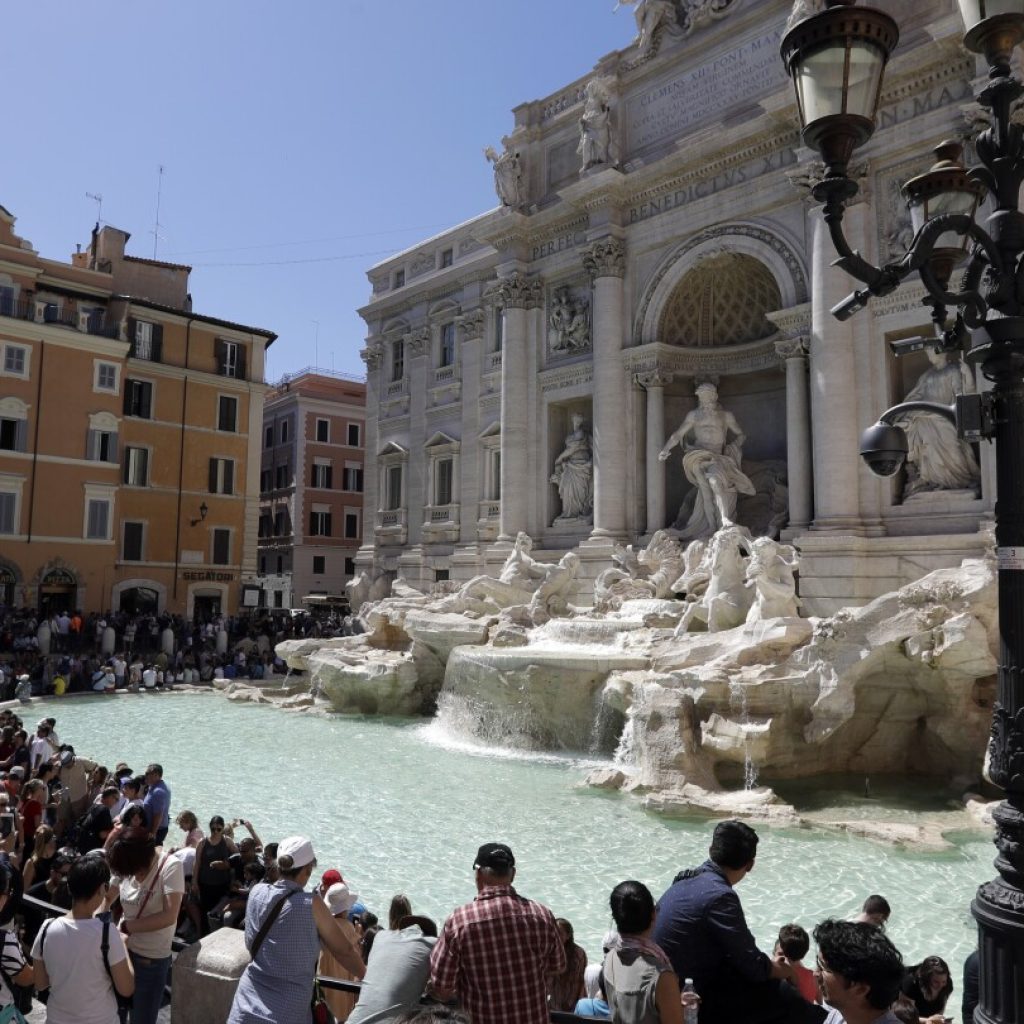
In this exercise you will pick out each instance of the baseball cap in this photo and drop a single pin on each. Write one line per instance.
(332, 876)
(496, 856)
(298, 848)
(17, 772)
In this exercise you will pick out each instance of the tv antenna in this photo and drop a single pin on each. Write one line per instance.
(316, 342)
(156, 222)
(97, 198)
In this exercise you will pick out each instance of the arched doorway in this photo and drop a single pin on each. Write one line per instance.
(57, 592)
(140, 601)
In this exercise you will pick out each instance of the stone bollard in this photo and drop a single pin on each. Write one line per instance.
(222, 641)
(167, 641)
(43, 638)
(205, 978)
(108, 641)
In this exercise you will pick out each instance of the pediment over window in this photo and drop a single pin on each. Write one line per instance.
(440, 439)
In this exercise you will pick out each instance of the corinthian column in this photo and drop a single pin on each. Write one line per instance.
(654, 387)
(798, 430)
(605, 261)
(518, 294)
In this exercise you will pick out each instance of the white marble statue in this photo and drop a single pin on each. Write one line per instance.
(640, 575)
(568, 323)
(651, 16)
(574, 475)
(771, 574)
(726, 600)
(508, 175)
(595, 145)
(520, 577)
(551, 598)
(938, 460)
(711, 464)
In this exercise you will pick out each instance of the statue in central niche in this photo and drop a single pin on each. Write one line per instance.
(711, 463)
(574, 475)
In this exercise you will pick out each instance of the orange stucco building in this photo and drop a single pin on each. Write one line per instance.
(129, 435)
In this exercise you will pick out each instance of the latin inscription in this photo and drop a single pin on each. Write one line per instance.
(705, 187)
(734, 78)
(559, 244)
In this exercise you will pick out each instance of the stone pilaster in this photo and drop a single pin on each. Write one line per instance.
(605, 261)
(417, 347)
(519, 294)
(373, 356)
(798, 430)
(471, 330)
(654, 389)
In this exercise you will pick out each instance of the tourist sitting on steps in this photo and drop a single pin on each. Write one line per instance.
(929, 985)
(639, 983)
(793, 943)
(858, 971)
(702, 928)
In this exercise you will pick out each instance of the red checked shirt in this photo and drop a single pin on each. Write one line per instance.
(496, 953)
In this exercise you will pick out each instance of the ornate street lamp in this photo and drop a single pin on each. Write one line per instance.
(836, 59)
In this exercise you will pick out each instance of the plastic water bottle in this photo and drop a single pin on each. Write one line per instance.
(689, 1012)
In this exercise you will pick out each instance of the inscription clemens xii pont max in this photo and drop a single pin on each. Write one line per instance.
(699, 94)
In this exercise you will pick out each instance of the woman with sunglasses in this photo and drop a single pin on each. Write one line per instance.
(150, 884)
(212, 874)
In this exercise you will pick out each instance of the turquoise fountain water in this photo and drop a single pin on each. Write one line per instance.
(400, 807)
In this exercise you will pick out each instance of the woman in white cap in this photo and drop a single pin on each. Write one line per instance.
(285, 928)
(340, 900)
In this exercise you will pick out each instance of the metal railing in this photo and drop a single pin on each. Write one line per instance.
(87, 320)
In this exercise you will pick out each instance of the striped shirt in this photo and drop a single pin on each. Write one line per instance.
(496, 953)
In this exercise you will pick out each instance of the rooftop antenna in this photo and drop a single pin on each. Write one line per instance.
(156, 223)
(316, 343)
(97, 198)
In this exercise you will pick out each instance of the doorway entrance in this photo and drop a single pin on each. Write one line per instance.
(58, 592)
(140, 601)
(205, 607)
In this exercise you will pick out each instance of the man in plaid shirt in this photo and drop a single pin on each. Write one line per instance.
(496, 953)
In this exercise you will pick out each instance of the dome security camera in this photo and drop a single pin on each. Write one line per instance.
(884, 448)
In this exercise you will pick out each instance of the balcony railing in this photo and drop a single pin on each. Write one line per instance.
(444, 374)
(87, 320)
(490, 509)
(494, 360)
(396, 387)
(441, 514)
(389, 518)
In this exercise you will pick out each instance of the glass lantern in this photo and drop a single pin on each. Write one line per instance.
(836, 59)
(993, 27)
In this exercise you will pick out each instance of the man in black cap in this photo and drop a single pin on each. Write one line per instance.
(496, 953)
(702, 929)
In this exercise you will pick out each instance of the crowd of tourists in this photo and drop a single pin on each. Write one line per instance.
(94, 842)
(121, 651)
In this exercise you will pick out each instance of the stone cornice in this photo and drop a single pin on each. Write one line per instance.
(792, 322)
(654, 378)
(796, 347)
(693, 362)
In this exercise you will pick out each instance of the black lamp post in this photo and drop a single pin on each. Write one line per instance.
(836, 59)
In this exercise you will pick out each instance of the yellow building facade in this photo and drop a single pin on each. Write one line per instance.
(129, 435)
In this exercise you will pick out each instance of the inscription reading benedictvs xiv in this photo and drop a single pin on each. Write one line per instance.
(704, 92)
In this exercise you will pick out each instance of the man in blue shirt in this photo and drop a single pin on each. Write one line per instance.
(701, 927)
(157, 803)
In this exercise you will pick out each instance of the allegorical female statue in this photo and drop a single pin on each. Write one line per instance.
(574, 474)
(938, 460)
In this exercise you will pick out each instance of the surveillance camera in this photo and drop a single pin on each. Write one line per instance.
(884, 448)
(904, 346)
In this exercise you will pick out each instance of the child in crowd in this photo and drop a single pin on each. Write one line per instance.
(793, 943)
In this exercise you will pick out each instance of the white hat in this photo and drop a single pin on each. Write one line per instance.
(298, 848)
(340, 899)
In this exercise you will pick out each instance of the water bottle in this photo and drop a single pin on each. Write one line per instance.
(689, 1012)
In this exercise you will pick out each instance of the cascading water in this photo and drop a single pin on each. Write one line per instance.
(738, 704)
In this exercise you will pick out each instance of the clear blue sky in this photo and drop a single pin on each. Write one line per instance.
(288, 131)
